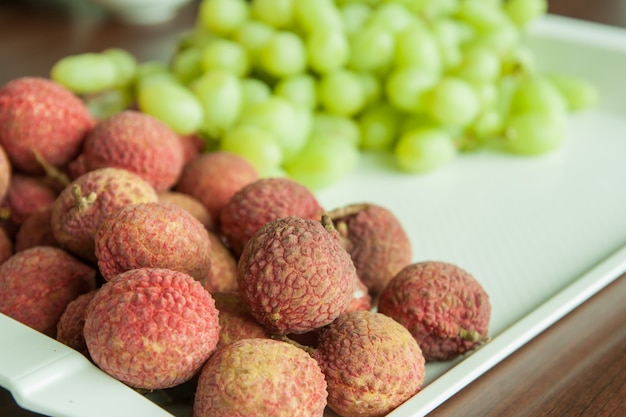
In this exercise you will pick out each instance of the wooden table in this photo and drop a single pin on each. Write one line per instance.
(577, 367)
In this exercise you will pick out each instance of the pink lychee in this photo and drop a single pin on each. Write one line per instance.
(151, 328)
(36, 230)
(236, 322)
(72, 321)
(191, 204)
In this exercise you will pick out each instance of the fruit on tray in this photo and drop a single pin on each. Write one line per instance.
(444, 307)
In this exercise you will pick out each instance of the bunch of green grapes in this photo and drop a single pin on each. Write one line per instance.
(304, 87)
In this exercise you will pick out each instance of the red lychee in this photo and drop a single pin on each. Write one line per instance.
(191, 204)
(261, 378)
(236, 322)
(192, 146)
(151, 328)
(376, 241)
(6, 246)
(36, 230)
(214, 177)
(361, 300)
(84, 204)
(156, 235)
(262, 201)
(372, 364)
(223, 274)
(294, 275)
(138, 143)
(37, 284)
(40, 118)
(72, 321)
(444, 307)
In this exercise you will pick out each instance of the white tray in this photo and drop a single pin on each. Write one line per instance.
(542, 234)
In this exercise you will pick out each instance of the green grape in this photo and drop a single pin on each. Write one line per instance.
(479, 65)
(371, 48)
(279, 117)
(173, 104)
(379, 127)
(253, 36)
(256, 145)
(448, 36)
(86, 73)
(394, 17)
(424, 149)
(314, 15)
(226, 55)
(354, 16)
(405, 88)
(487, 125)
(253, 91)
(187, 64)
(534, 133)
(341, 92)
(324, 160)
(125, 63)
(284, 54)
(503, 39)
(480, 15)
(220, 94)
(417, 46)
(108, 102)
(222, 17)
(578, 93)
(453, 102)
(337, 126)
(276, 13)
(523, 12)
(300, 89)
(153, 71)
(372, 88)
(327, 50)
(537, 94)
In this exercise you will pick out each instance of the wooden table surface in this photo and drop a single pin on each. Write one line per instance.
(577, 367)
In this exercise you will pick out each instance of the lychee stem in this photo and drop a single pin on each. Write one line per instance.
(5, 213)
(328, 224)
(51, 171)
(82, 202)
(470, 335)
(346, 211)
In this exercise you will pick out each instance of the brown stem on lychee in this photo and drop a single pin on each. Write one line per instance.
(83, 202)
(283, 338)
(471, 335)
(346, 211)
(328, 224)
(51, 171)
(5, 213)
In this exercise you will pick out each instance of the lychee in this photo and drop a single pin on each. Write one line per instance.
(26, 195)
(294, 275)
(361, 299)
(262, 201)
(37, 284)
(151, 328)
(236, 322)
(136, 142)
(191, 204)
(84, 204)
(36, 230)
(192, 146)
(261, 378)
(214, 177)
(372, 364)
(443, 306)
(223, 274)
(376, 241)
(41, 119)
(72, 321)
(156, 235)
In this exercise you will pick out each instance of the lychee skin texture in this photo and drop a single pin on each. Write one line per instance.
(261, 378)
(36, 230)
(137, 142)
(191, 204)
(155, 235)
(295, 276)
(444, 307)
(37, 284)
(27, 194)
(377, 243)
(262, 201)
(372, 364)
(72, 321)
(151, 328)
(223, 274)
(236, 322)
(84, 204)
(6, 246)
(39, 115)
(214, 177)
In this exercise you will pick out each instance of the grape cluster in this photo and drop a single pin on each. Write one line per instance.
(303, 87)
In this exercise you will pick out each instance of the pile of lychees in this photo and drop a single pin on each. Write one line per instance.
(166, 265)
